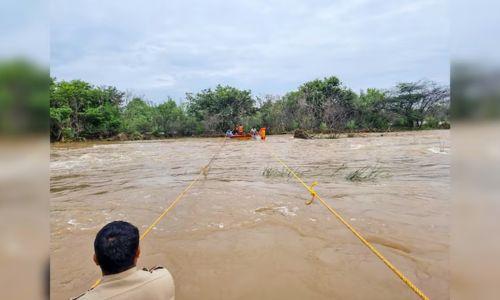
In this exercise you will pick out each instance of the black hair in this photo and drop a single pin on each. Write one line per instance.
(115, 246)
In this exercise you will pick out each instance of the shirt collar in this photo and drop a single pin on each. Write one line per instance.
(121, 275)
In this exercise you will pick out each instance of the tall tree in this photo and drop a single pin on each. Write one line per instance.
(169, 118)
(328, 101)
(221, 108)
(138, 117)
(371, 109)
(93, 112)
(414, 101)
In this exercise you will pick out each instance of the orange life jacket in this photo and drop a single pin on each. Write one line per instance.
(262, 133)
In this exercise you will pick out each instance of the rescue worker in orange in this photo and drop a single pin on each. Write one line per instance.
(262, 133)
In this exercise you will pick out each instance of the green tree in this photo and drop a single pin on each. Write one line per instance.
(101, 121)
(414, 101)
(93, 112)
(221, 108)
(371, 109)
(138, 117)
(81, 110)
(169, 118)
(272, 114)
(59, 120)
(76, 95)
(326, 100)
(298, 113)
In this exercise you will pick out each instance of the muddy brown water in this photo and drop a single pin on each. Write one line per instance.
(238, 234)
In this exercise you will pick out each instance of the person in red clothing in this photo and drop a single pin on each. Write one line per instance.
(262, 133)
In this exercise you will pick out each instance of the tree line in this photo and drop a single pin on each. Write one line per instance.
(80, 110)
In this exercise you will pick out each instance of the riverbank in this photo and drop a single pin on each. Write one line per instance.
(122, 137)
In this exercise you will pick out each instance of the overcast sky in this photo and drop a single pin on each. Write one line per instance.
(167, 48)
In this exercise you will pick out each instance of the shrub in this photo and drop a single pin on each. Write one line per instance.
(68, 134)
(351, 125)
(323, 127)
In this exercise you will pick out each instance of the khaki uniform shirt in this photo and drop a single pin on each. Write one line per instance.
(155, 284)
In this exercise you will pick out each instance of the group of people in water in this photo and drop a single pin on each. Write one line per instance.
(239, 132)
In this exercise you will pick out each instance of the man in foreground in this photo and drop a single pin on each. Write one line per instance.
(117, 249)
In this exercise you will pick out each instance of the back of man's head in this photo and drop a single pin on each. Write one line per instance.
(116, 247)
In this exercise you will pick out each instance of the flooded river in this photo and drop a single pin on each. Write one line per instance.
(244, 231)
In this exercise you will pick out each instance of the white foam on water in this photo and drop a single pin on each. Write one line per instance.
(285, 211)
(65, 165)
(216, 225)
(438, 151)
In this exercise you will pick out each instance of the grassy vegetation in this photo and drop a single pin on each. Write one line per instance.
(368, 173)
(329, 136)
(363, 174)
(283, 172)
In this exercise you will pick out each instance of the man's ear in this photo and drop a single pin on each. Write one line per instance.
(137, 254)
(95, 259)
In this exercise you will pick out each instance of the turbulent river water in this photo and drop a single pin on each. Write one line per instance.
(244, 231)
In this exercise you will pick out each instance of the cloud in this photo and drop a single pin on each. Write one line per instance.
(168, 48)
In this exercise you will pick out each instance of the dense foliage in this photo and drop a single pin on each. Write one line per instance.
(221, 108)
(80, 110)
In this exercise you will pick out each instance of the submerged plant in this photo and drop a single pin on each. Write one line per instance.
(368, 173)
(283, 172)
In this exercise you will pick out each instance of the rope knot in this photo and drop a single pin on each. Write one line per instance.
(312, 192)
(204, 170)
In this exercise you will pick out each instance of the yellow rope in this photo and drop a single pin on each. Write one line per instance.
(203, 171)
(349, 226)
(313, 193)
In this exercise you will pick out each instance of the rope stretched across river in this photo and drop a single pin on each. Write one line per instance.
(314, 194)
(203, 171)
(372, 248)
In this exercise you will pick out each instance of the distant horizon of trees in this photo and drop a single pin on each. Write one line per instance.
(80, 110)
